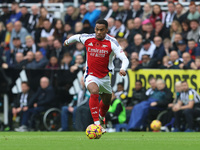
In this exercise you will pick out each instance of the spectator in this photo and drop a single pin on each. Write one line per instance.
(148, 48)
(181, 13)
(67, 31)
(92, 15)
(87, 28)
(43, 45)
(147, 11)
(182, 47)
(193, 13)
(175, 61)
(59, 50)
(59, 30)
(16, 13)
(157, 106)
(185, 29)
(29, 58)
(157, 14)
(175, 28)
(121, 93)
(50, 46)
(30, 44)
(136, 11)
(104, 10)
(81, 98)
(39, 62)
(19, 32)
(66, 61)
(20, 103)
(117, 112)
(25, 16)
(43, 16)
(137, 29)
(187, 61)
(111, 23)
(177, 38)
(83, 11)
(194, 49)
(33, 19)
(130, 24)
(119, 30)
(134, 55)
(18, 47)
(147, 30)
(160, 30)
(167, 46)
(114, 11)
(187, 107)
(2, 33)
(137, 45)
(138, 93)
(126, 11)
(18, 62)
(152, 83)
(159, 51)
(78, 27)
(79, 64)
(38, 103)
(197, 63)
(170, 16)
(53, 63)
(194, 32)
(147, 62)
(72, 15)
(79, 50)
(165, 63)
(6, 13)
(47, 31)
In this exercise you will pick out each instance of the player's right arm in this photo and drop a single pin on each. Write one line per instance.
(72, 39)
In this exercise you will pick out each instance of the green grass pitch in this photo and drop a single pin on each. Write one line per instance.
(110, 141)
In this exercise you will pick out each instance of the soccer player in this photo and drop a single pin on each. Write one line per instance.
(101, 49)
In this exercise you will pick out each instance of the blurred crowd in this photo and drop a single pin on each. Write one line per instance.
(150, 37)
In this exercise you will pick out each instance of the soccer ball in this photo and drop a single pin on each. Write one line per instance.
(156, 125)
(94, 131)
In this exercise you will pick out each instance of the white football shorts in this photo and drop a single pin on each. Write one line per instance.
(104, 84)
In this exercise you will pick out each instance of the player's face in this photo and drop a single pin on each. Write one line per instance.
(100, 30)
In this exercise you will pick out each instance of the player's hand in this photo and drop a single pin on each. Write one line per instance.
(122, 72)
(64, 44)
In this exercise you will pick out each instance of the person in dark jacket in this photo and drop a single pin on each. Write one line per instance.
(38, 103)
(161, 104)
(138, 93)
(20, 103)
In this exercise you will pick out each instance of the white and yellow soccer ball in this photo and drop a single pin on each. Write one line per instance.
(156, 125)
(94, 131)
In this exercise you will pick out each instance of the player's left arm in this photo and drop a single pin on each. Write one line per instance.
(121, 55)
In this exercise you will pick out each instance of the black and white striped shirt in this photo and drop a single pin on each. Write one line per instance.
(190, 95)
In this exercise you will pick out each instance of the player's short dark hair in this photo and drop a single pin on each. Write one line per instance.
(102, 21)
(120, 83)
(139, 81)
(25, 82)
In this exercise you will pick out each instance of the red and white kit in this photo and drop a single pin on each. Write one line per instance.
(100, 55)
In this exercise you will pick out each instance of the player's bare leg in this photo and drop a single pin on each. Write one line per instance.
(94, 101)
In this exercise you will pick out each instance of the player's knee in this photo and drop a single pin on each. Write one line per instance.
(94, 91)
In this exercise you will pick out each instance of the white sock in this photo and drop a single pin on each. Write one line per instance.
(97, 122)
